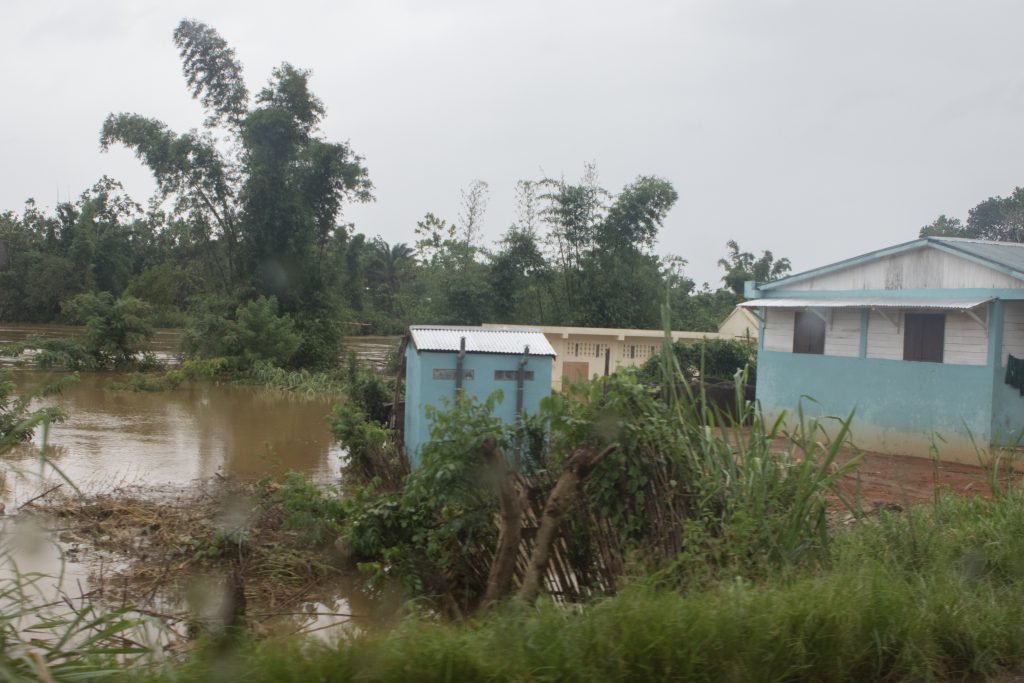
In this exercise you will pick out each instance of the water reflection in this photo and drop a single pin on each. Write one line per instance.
(197, 431)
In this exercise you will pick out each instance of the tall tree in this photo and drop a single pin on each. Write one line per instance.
(259, 183)
(390, 268)
(1000, 219)
(741, 266)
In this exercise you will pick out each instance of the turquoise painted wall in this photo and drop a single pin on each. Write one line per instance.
(1007, 413)
(899, 404)
(421, 389)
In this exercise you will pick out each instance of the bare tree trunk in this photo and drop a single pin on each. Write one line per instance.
(579, 465)
(510, 529)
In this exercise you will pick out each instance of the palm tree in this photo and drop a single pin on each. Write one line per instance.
(388, 268)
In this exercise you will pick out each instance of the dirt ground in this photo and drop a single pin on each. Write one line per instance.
(904, 480)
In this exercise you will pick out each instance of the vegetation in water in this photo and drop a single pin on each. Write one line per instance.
(18, 419)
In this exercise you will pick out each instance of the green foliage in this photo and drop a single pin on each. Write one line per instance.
(116, 330)
(997, 218)
(263, 335)
(313, 511)
(714, 360)
(370, 451)
(18, 420)
(741, 266)
(251, 333)
(424, 534)
(300, 381)
(932, 593)
(145, 382)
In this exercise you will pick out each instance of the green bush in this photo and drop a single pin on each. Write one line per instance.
(116, 330)
(423, 535)
(249, 333)
(713, 360)
(313, 511)
(263, 334)
(18, 420)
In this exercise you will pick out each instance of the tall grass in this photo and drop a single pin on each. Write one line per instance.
(44, 634)
(944, 606)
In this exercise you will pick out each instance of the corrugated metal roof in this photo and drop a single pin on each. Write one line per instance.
(1007, 254)
(510, 341)
(870, 302)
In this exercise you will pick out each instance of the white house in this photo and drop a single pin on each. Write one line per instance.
(917, 339)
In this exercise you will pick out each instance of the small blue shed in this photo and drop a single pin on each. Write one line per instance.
(441, 361)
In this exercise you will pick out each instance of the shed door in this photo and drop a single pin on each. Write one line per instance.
(574, 372)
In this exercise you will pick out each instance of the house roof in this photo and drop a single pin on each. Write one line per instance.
(620, 334)
(1005, 257)
(954, 304)
(510, 341)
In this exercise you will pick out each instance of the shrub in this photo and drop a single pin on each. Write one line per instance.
(313, 511)
(116, 330)
(18, 420)
(712, 360)
(251, 332)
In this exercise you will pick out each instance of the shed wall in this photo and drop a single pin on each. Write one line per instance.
(423, 390)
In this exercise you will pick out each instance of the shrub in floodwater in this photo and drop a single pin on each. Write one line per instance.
(313, 511)
(428, 534)
(248, 333)
(116, 330)
(18, 421)
(370, 450)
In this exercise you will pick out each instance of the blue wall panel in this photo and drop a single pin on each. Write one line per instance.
(422, 389)
(900, 406)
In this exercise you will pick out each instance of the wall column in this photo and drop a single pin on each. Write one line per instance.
(865, 318)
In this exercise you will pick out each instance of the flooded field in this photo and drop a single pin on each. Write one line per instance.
(173, 443)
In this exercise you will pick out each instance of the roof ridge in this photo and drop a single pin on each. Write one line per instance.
(974, 240)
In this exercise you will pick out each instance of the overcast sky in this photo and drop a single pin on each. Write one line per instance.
(816, 129)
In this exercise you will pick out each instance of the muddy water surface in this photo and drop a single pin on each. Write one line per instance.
(174, 439)
(197, 431)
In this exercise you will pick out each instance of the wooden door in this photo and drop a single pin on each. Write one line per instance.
(574, 372)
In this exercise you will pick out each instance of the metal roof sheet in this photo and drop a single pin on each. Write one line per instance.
(504, 340)
(1007, 254)
(946, 303)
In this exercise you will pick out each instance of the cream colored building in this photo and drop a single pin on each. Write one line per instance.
(740, 324)
(588, 352)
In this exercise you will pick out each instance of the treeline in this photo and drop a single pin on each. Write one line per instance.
(997, 218)
(250, 208)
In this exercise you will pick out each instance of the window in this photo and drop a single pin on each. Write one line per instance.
(808, 333)
(511, 375)
(444, 373)
(924, 335)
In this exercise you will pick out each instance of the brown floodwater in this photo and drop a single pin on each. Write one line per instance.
(172, 439)
(197, 431)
